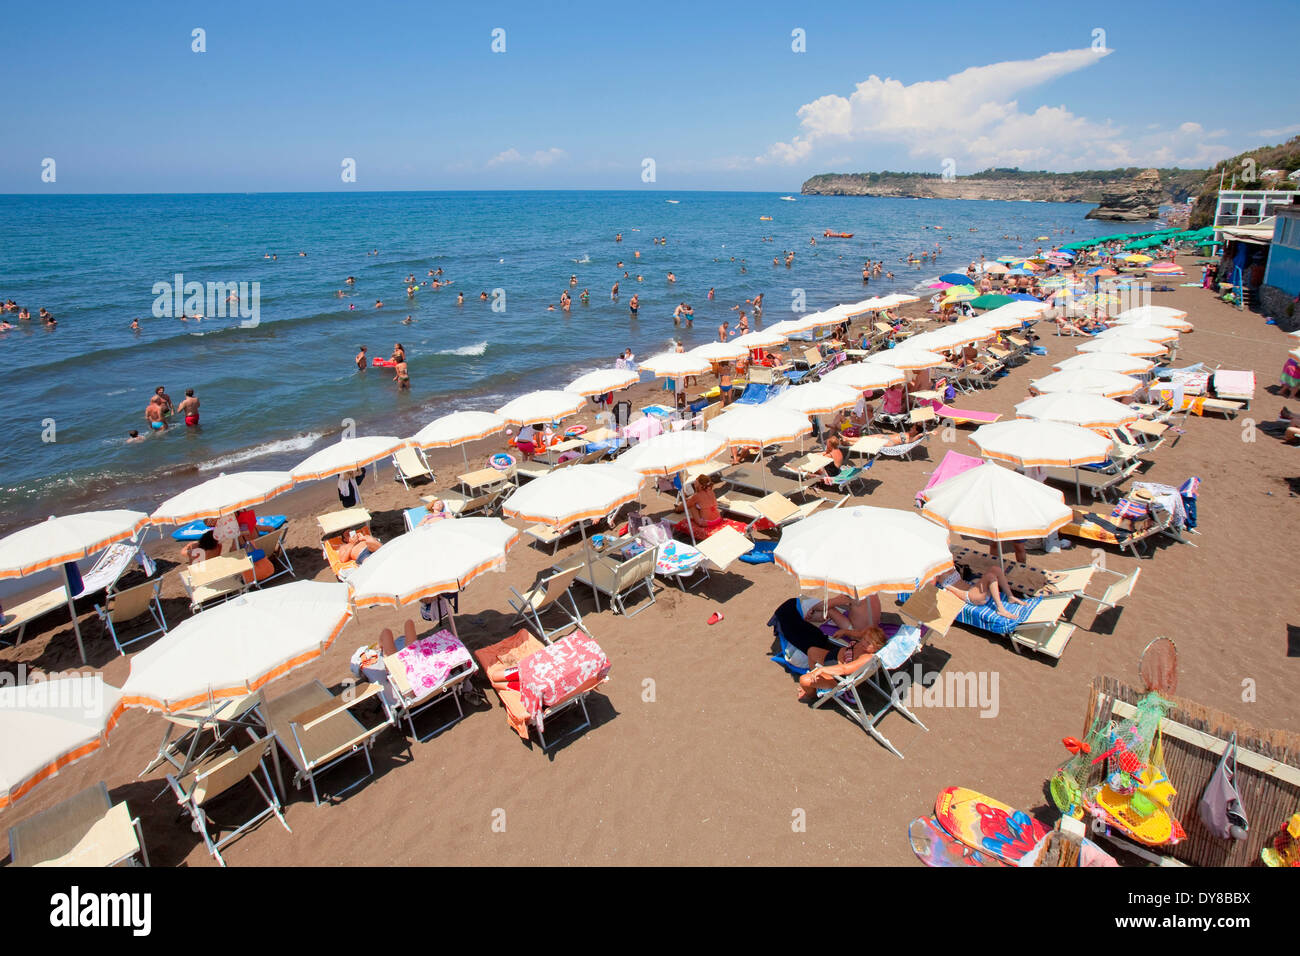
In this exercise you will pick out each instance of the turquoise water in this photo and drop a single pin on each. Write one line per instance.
(271, 393)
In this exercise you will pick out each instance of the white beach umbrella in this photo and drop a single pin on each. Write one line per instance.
(1157, 312)
(951, 337)
(235, 648)
(577, 493)
(350, 454)
(222, 495)
(906, 358)
(50, 724)
(874, 304)
(719, 352)
(432, 559)
(997, 504)
(815, 398)
(1143, 348)
(670, 452)
(601, 381)
(542, 406)
(458, 428)
(1033, 444)
(789, 327)
(760, 425)
(1077, 408)
(675, 365)
(863, 550)
(1143, 321)
(865, 376)
(1088, 381)
(1106, 362)
(761, 339)
(60, 541)
(1152, 333)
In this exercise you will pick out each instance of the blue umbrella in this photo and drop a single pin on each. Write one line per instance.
(956, 278)
(1024, 297)
(1020, 272)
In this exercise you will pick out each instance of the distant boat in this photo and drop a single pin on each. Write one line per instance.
(765, 218)
(789, 198)
(673, 201)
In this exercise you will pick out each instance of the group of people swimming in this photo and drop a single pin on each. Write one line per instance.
(160, 409)
(23, 314)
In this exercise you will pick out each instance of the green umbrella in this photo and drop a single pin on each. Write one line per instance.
(991, 301)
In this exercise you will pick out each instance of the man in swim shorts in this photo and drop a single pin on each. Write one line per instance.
(189, 407)
(166, 399)
(361, 359)
(153, 414)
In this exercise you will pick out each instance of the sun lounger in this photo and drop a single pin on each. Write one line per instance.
(1106, 529)
(618, 580)
(272, 547)
(1236, 386)
(1037, 623)
(760, 479)
(775, 508)
(128, 605)
(966, 416)
(548, 593)
(195, 790)
(86, 830)
(578, 664)
(316, 730)
(17, 618)
(216, 717)
(216, 580)
(408, 466)
(433, 669)
(1097, 483)
(904, 450)
(333, 526)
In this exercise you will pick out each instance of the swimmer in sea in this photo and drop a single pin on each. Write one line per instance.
(407, 321)
(672, 277)
(153, 414)
(135, 325)
(482, 296)
(379, 303)
(133, 436)
(613, 293)
(400, 375)
(361, 359)
(350, 281)
(189, 407)
(399, 353)
(634, 303)
(585, 297)
(710, 296)
(160, 393)
(460, 298)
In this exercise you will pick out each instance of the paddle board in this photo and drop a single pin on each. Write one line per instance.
(935, 847)
(985, 824)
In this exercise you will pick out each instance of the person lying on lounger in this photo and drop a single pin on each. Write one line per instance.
(437, 510)
(992, 585)
(206, 547)
(913, 433)
(835, 452)
(839, 663)
(356, 547)
(853, 618)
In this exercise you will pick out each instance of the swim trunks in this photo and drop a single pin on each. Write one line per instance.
(192, 420)
(156, 426)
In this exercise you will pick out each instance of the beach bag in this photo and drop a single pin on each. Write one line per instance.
(1221, 808)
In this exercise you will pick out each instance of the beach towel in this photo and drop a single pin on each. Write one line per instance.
(1234, 384)
(961, 416)
(570, 666)
(681, 530)
(429, 660)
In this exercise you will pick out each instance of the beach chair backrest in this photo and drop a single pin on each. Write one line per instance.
(776, 508)
(760, 375)
(229, 771)
(636, 570)
(711, 412)
(813, 356)
(408, 462)
(1120, 589)
(133, 602)
(556, 585)
(269, 543)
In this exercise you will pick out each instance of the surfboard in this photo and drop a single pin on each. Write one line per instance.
(934, 846)
(986, 824)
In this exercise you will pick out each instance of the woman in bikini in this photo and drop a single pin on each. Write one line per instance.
(828, 666)
(992, 585)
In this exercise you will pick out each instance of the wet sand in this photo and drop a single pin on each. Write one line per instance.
(699, 753)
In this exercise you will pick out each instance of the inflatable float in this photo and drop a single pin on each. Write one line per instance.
(837, 235)
(382, 363)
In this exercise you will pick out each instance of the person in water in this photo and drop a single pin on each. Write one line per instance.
(161, 393)
(153, 414)
(361, 358)
(189, 407)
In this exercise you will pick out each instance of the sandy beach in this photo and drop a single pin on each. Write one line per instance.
(699, 752)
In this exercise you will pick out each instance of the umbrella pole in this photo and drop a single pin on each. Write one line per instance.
(686, 510)
(1078, 493)
(72, 612)
(591, 572)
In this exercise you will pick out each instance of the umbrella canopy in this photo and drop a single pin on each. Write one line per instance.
(719, 352)
(759, 425)
(995, 268)
(432, 559)
(789, 327)
(956, 278)
(458, 428)
(1039, 443)
(908, 359)
(761, 339)
(574, 494)
(50, 724)
(235, 648)
(997, 504)
(68, 538)
(671, 452)
(1077, 408)
(1150, 321)
(816, 398)
(601, 381)
(1126, 346)
(865, 376)
(863, 550)
(1151, 333)
(1090, 381)
(951, 337)
(990, 301)
(544, 406)
(960, 293)
(1152, 312)
(349, 454)
(675, 365)
(1106, 362)
(222, 495)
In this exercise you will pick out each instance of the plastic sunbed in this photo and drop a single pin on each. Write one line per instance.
(964, 416)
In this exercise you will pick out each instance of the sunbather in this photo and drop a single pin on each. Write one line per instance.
(913, 433)
(991, 586)
(853, 618)
(836, 455)
(356, 547)
(206, 547)
(437, 510)
(844, 661)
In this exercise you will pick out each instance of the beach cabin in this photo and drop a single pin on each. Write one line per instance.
(1281, 286)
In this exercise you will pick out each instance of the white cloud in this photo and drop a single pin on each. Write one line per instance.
(975, 118)
(542, 157)
(1279, 132)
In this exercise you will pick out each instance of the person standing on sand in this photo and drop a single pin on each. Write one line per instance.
(153, 414)
(189, 407)
(361, 359)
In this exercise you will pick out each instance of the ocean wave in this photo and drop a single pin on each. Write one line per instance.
(296, 443)
(478, 348)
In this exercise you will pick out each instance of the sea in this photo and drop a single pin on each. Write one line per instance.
(275, 390)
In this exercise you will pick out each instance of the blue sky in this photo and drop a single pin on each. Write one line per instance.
(585, 92)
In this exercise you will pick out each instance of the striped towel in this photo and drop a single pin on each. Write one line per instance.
(986, 616)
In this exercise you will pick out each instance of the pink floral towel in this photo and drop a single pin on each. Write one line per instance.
(429, 660)
(549, 676)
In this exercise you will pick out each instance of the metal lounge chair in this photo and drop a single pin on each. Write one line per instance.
(316, 730)
(620, 580)
(217, 717)
(272, 546)
(195, 790)
(409, 466)
(85, 830)
(122, 607)
(404, 701)
(548, 593)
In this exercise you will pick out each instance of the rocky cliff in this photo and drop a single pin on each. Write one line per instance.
(1137, 200)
